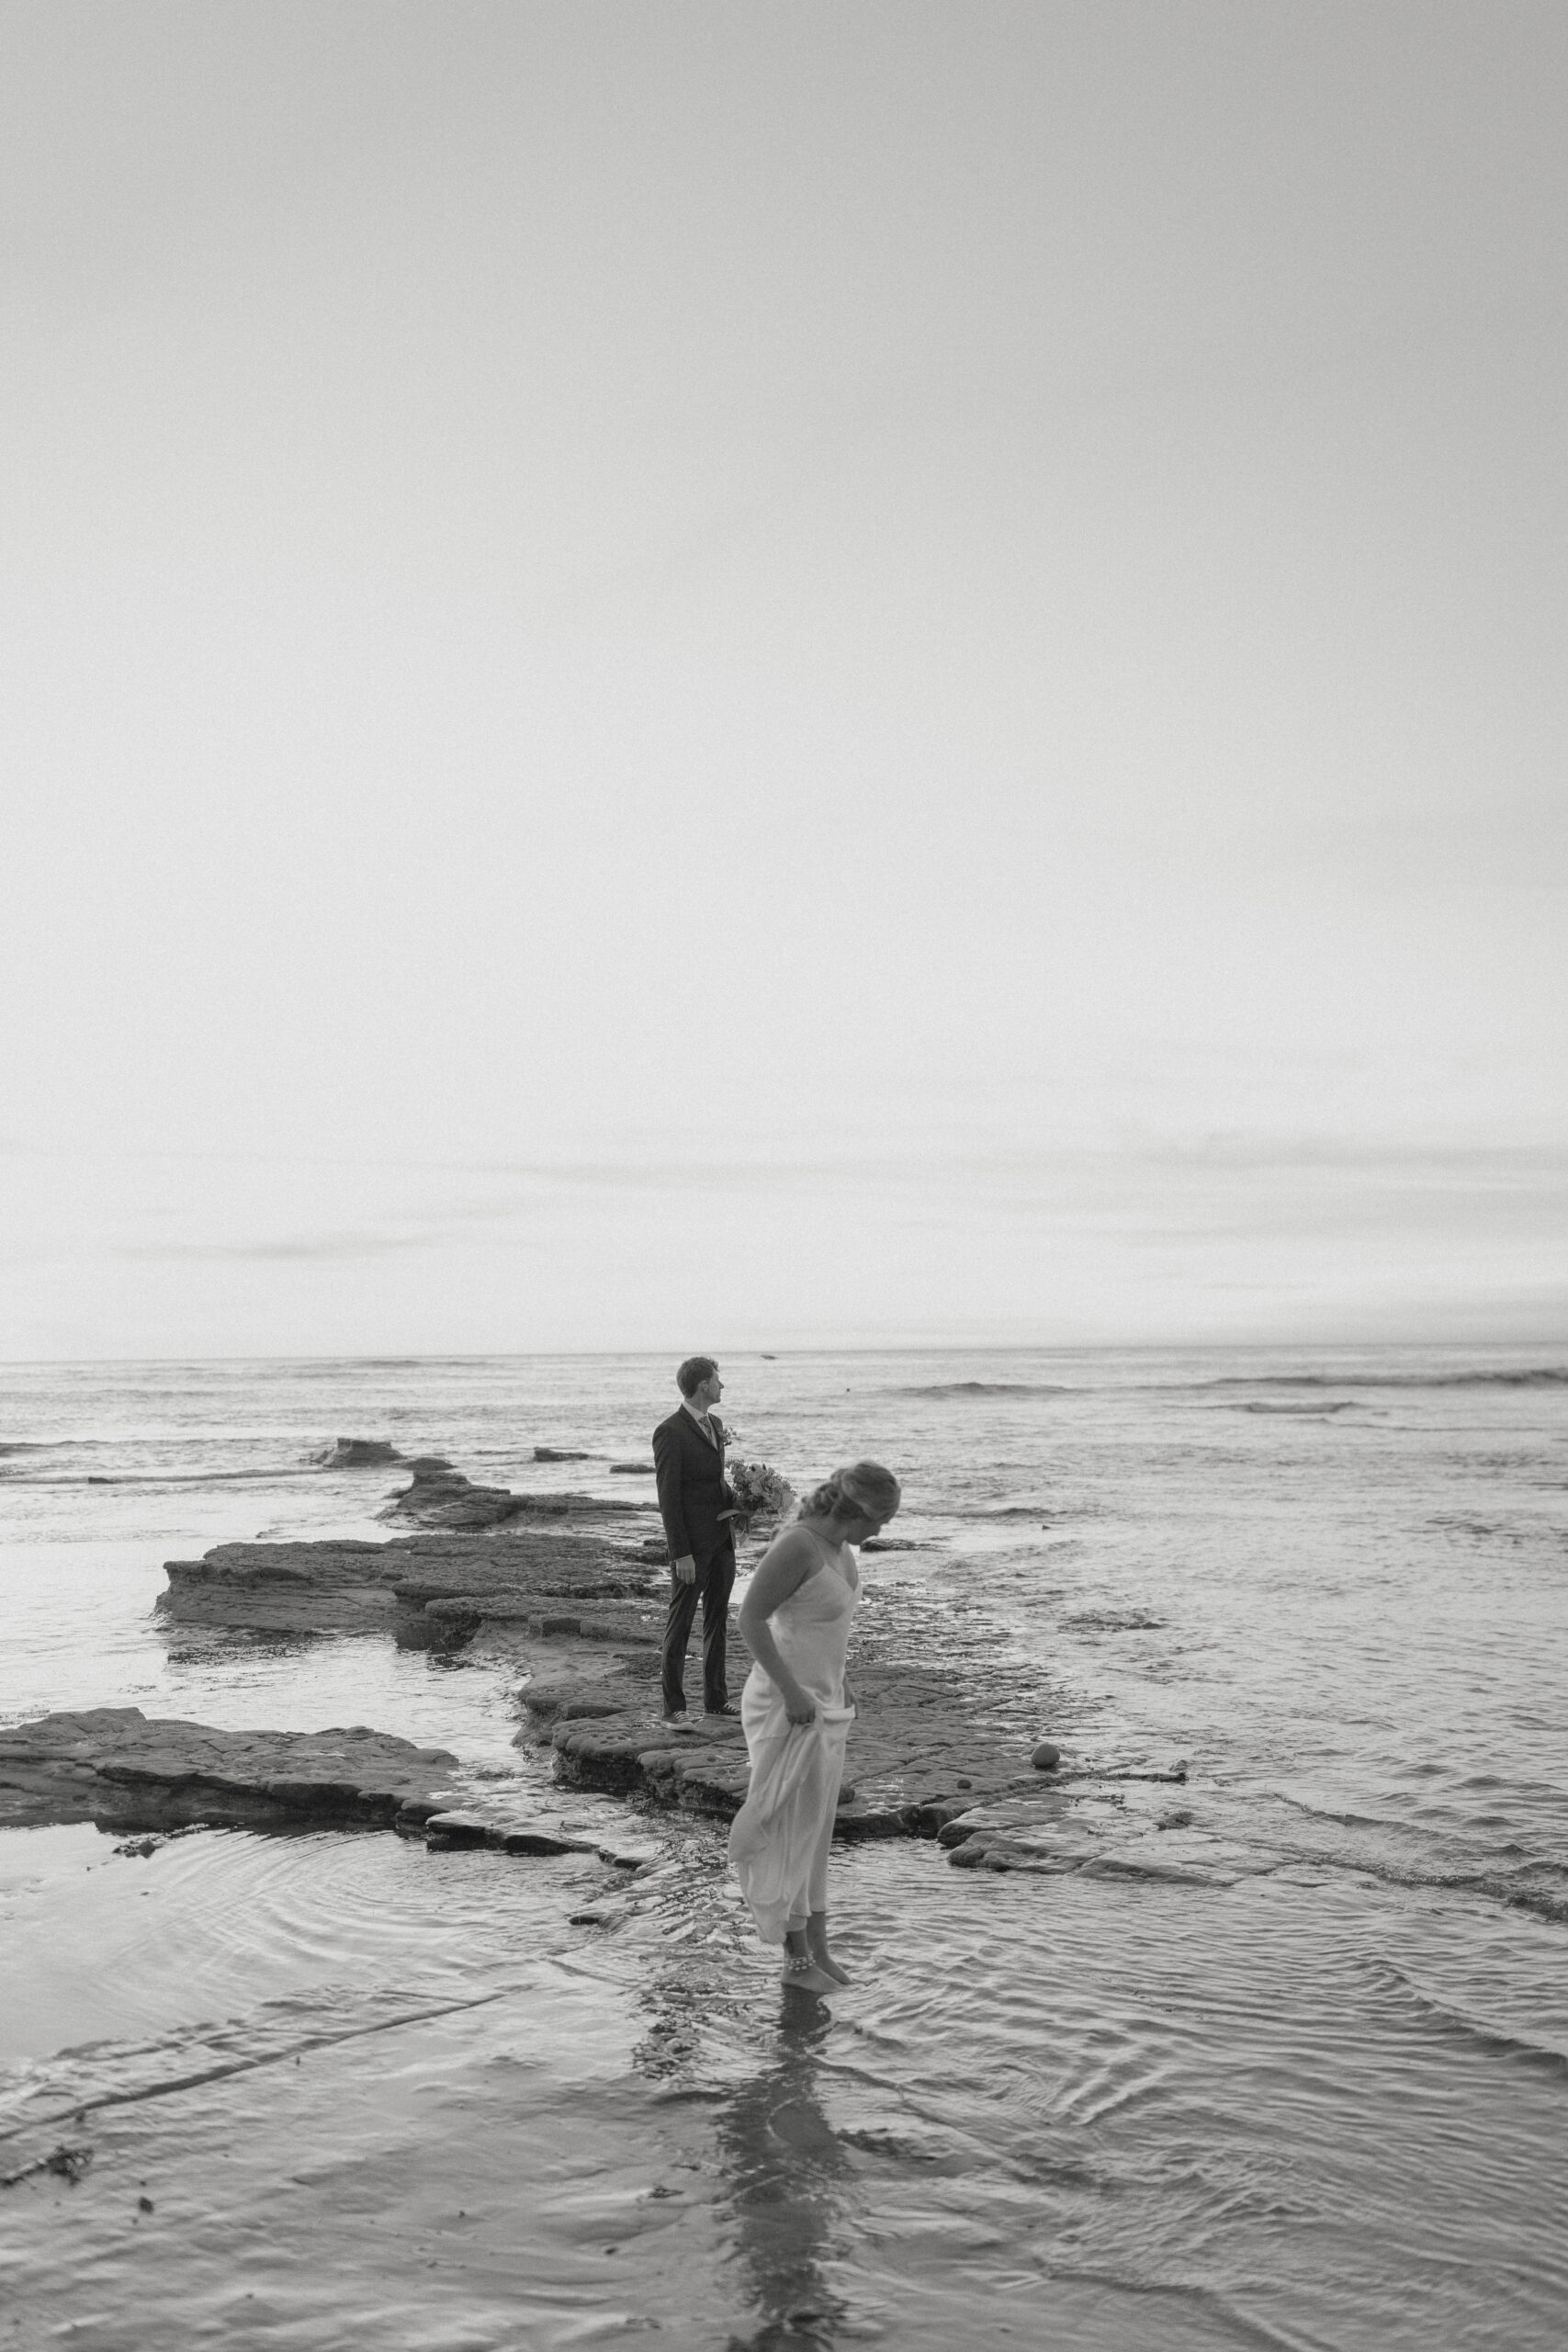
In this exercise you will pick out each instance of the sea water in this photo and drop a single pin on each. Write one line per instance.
(1302, 2082)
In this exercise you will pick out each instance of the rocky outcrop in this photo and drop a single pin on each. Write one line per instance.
(938, 1751)
(1112, 1823)
(917, 1762)
(124, 1771)
(357, 1453)
(537, 1834)
(529, 1585)
(439, 1496)
(948, 1742)
(430, 1591)
(330, 1588)
(151, 1779)
(283, 1588)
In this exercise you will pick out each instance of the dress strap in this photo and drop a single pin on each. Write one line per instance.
(828, 1561)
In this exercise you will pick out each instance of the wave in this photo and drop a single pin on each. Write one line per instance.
(1528, 1376)
(1113, 1620)
(1523, 1377)
(1534, 1883)
(1536, 1889)
(1488, 2032)
(989, 1388)
(1340, 1820)
(163, 1478)
(1522, 1891)
(1303, 1412)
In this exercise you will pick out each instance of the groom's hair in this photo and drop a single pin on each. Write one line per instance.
(692, 1373)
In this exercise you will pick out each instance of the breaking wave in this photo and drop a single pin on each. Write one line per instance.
(989, 1388)
(1528, 1376)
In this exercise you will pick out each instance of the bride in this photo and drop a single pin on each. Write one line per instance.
(795, 1712)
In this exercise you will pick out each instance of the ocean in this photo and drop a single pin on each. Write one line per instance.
(1285, 2064)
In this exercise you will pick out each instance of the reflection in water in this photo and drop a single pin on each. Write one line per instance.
(785, 2165)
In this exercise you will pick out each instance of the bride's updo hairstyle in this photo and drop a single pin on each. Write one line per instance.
(860, 1490)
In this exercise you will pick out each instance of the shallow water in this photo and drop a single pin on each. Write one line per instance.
(1292, 2071)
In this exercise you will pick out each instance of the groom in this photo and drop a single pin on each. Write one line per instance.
(688, 1455)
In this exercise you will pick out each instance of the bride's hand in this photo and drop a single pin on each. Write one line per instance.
(800, 1707)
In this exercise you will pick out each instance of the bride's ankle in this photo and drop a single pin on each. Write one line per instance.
(817, 1941)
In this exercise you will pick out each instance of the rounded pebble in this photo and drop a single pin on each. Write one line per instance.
(1045, 1757)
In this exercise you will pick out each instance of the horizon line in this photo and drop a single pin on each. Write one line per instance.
(1361, 1346)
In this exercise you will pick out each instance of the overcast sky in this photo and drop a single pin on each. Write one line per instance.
(679, 674)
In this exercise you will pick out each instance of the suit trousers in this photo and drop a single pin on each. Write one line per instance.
(713, 1585)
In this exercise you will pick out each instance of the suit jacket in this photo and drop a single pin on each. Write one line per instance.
(692, 1490)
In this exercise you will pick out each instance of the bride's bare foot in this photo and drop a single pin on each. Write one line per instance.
(817, 1945)
(801, 1974)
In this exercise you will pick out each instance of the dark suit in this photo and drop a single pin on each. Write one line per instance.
(692, 1493)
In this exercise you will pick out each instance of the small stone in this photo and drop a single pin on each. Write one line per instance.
(144, 2205)
(1045, 1758)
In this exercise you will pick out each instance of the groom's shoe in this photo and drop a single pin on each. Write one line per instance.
(674, 1714)
(725, 1709)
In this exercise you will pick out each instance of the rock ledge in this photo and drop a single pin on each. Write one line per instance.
(124, 1771)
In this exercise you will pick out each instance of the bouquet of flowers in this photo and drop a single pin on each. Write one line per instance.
(760, 1493)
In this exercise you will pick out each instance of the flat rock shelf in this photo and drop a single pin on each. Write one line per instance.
(914, 1767)
(125, 1770)
(947, 1725)
(429, 1591)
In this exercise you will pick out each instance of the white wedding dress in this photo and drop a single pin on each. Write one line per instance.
(779, 1840)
